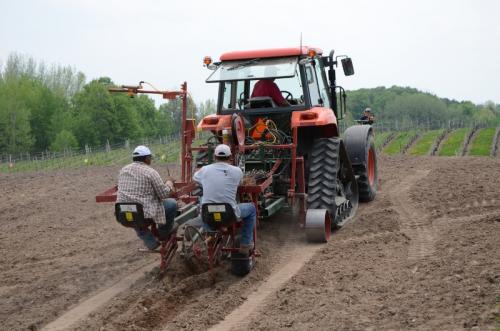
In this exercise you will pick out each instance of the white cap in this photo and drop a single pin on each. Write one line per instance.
(368, 110)
(222, 150)
(141, 151)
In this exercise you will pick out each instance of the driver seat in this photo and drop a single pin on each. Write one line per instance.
(261, 102)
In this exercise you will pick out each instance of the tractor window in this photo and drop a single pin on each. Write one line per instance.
(313, 86)
(291, 89)
(254, 69)
(323, 85)
(233, 92)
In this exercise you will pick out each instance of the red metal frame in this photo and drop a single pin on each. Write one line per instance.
(168, 249)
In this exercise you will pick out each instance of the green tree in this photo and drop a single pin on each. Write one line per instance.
(46, 109)
(484, 115)
(128, 118)
(206, 108)
(95, 115)
(414, 108)
(171, 114)
(64, 141)
(15, 130)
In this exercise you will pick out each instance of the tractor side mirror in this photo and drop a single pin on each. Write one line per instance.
(347, 66)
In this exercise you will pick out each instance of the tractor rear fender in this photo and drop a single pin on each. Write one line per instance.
(356, 140)
(215, 123)
(323, 119)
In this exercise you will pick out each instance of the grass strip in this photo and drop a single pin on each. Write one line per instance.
(481, 145)
(425, 142)
(398, 144)
(453, 144)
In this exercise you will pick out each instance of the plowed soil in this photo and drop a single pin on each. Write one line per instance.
(424, 255)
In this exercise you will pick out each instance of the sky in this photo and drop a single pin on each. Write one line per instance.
(450, 48)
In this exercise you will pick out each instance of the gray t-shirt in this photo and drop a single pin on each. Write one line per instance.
(220, 183)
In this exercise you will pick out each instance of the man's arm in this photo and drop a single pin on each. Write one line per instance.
(162, 190)
(277, 96)
(198, 176)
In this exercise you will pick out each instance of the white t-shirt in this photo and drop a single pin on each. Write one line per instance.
(220, 182)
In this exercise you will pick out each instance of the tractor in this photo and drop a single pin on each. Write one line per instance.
(291, 151)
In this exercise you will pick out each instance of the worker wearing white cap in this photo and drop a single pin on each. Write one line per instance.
(138, 182)
(220, 181)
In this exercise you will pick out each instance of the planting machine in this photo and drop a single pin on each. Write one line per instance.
(290, 153)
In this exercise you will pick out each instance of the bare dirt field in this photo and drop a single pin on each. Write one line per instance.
(424, 255)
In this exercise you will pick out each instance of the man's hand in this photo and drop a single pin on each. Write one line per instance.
(170, 185)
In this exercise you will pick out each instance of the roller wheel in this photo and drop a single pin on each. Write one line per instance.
(331, 184)
(368, 175)
(318, 225)
(241, 264)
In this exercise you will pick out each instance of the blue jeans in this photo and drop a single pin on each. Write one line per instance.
(248, 215)
(147, 236)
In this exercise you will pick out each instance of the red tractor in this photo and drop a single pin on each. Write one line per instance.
(291, 150)
(287, 143)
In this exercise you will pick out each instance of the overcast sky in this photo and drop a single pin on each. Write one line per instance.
(450, 48)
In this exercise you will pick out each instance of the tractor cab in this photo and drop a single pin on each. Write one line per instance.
(275, 83)
(298, 73)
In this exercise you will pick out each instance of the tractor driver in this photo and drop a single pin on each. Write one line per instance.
(138, 182)
(220, 181)
(268, 88)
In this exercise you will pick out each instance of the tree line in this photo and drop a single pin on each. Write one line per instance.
(53, 108)
(409, 105)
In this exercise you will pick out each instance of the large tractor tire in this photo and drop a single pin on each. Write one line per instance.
(331, 184)
(360, 145)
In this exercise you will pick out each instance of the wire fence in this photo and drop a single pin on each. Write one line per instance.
(165, 149)
(420, 125)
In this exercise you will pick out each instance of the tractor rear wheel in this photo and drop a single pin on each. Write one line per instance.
(331, 184)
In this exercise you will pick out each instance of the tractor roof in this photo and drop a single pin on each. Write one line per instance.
(271, 52)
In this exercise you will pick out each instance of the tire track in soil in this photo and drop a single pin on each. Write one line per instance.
(85, 308)
(296, 255)
(413, 222)
(239, 318)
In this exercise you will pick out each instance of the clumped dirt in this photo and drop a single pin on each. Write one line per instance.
(424, 255)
